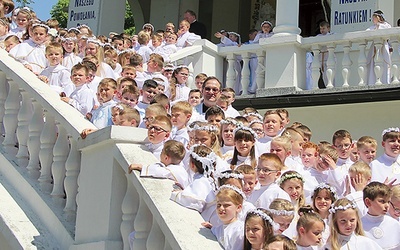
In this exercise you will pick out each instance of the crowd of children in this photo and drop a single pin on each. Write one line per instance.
(258, 182)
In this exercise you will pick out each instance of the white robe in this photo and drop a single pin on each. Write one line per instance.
(70, 59)
(186, 39)
(101, 117)
(82, 99)
(32, 54)
(173, 172)
(355, 242)
(180, 135)
(194, 195)
(383, 229)
(385, 167)
(263, 197)
(230, 236)
(59, 79)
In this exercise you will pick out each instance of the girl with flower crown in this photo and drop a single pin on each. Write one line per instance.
(229, 204)
(323, 197)
(228, 127)
(283, 213)
(70, 47)
(259, 228)
(244, 152)
(202, 163)
(292, 183)
(387, 166)
(346, 228)
(95, 48)
(179, 91)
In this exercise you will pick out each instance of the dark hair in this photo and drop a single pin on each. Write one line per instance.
(214, 110)
(149, 84)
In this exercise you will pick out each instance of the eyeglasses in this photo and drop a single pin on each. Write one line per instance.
(157, 129)
(396, 209)
(208, 89)
(265, 170)
(149, 119)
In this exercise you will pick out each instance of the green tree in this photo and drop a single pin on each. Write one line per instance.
(59, 11)
(24, 3)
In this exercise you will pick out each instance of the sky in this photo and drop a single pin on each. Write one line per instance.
(43, 7)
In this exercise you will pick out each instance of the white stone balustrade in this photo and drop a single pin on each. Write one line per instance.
(24, 117)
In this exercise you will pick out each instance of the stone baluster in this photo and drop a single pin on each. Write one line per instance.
(315, 66)
(156, 237)
(142, 225)
(129, 209)
(24, 117)
(395, 61)
(245, 72)
(35, 128)
(260, 71)
(10, 119)
(231, 73)
(346, 63)
(378, 68)
(362, 64)
(3, 97)
(72, 168)
(330, 63)
(60, 154)
(47, 139)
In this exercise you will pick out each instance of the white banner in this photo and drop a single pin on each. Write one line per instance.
(351, 15)
(84, 12)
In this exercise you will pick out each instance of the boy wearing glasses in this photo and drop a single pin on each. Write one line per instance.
(394, 208)
(158, 132)
(342, 141)
(268, 171)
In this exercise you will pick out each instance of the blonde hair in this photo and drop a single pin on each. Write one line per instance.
(129, 113)
(245, 169)
(183, 106)
(283, 141)
(328, 150)
(307, 219)
(54, 46)
(396, 193)
(277, 163)
(157, 109)
(366, 141)
(109, 82)
(175, 150)
(231, 195)
(143, 38)
(293, 134)
(280, 204)
(334, 223)
(362, 168)
(163, 120)
(215, 146)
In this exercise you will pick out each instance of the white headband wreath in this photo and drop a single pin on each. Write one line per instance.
(255, 121)
(209, 128)
(333, 209)
(247, 129)
(231, 122)
(265, 217)
(326, 186)
(207, 161)
(41, 25)
(388, 130)
(281, 212)
(230, 175)
(95, 41)
(234, 188)
(290, 176)
(254, 114)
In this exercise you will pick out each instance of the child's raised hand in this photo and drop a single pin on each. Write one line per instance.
(390, 183)
(359, 182)
(218, 35)
(134, 167)
(206, 224)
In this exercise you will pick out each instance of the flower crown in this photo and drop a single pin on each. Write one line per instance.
(182, 66)
(231, 122)
(326, 186)
(230, 175)
(234, 188)
(41, 25)
(255, 121)
(169, 67)
(209, 128)
(118, 106)
(95, 41)
(281, 212)
(333, 209)
(206, 161)
(68, 39)
(290, 176)
(84, 26)
(388, 130)
(254, 114)
(265, 217)
(267, 22)
(74, 29)
(247, 129)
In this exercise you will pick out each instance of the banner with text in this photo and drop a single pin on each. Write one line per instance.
(352, 15)
(84, 12)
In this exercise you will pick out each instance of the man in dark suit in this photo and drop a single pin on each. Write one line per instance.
(195, 26)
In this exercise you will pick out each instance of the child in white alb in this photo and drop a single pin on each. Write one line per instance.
(169, 166)
(180, 115)
(101, 116)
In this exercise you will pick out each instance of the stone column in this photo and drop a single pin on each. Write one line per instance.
(287, 17)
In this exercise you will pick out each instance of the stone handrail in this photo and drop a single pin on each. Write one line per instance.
(280, 61)
(78, 189)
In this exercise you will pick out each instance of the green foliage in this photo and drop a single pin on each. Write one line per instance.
(129, 25)
(24, 2)
(59, 11)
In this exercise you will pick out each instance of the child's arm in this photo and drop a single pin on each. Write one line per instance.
(134, 167)
(84, 104)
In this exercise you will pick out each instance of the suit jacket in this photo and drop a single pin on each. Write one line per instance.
(199, 29)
